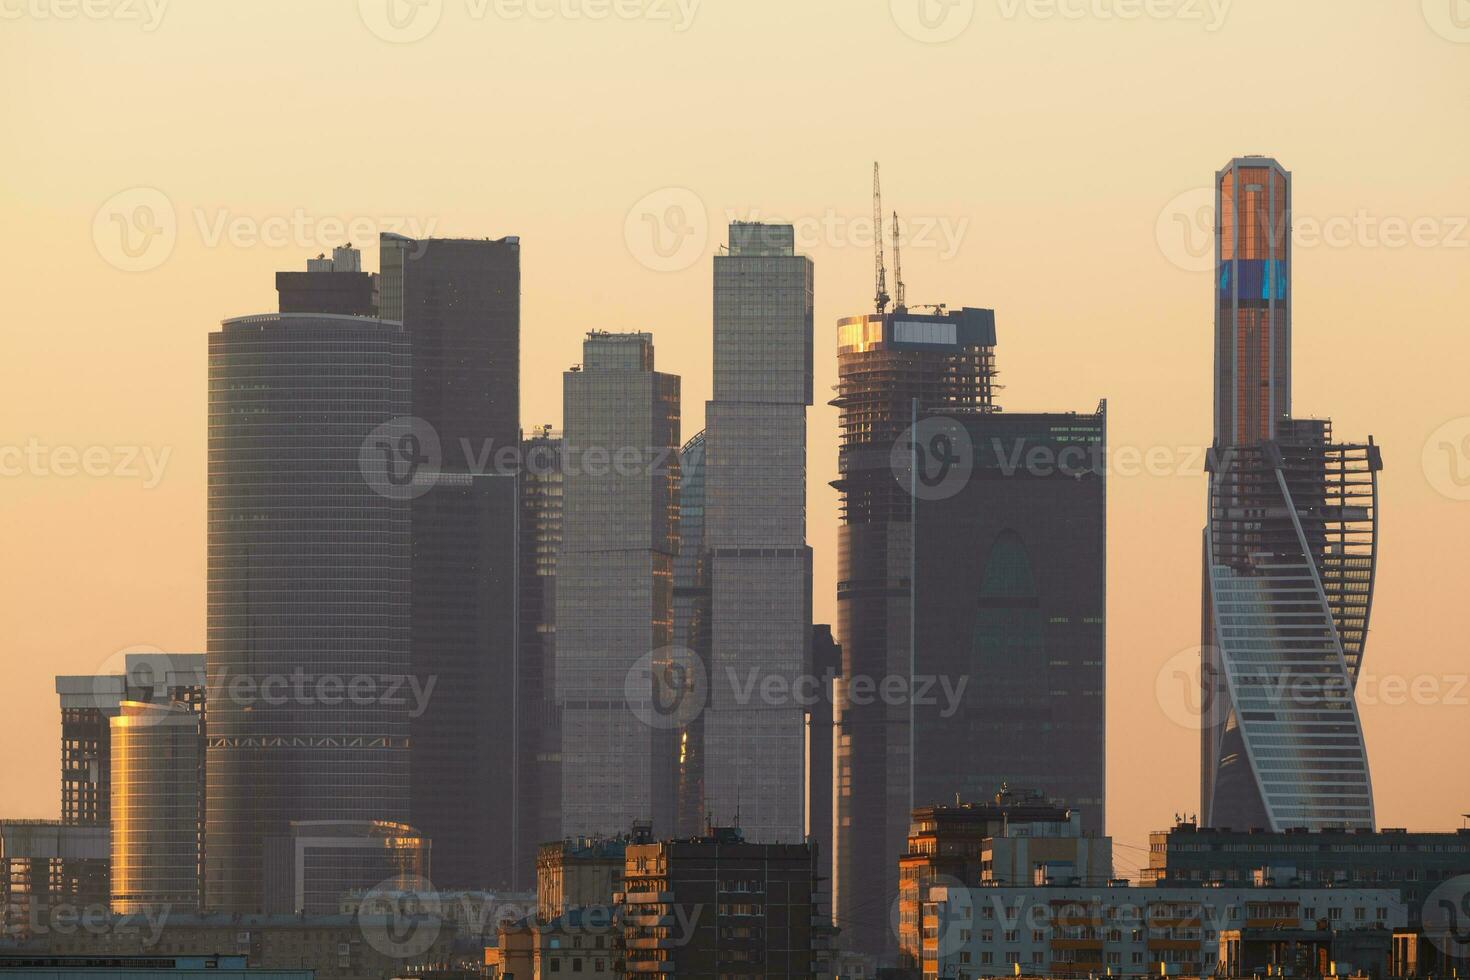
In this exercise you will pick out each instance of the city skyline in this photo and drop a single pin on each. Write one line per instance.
(1146, 350)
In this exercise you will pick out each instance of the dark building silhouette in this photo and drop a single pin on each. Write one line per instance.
(309, 568)
(330, 285)
(538, 725)
(890, 368)
(459, 302)
(1009, 597)
(826, 667)
(715, 906)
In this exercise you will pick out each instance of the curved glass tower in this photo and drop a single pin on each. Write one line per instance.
(1289, 550)
(308, 609)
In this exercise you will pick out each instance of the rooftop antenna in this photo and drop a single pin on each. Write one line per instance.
(900, 305)
(880, 272)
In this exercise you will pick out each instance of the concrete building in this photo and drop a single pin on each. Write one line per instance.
(1413, 864)
(757, 563)
(585, 942)
(330, 947)
(1070, 931)
(582, 873)
(309, 577)
(50, 868)
(716, 906)
(158, 783)
(1018, 839)
(891, 366)
(614, 589)
(330, 285)
(459, 302)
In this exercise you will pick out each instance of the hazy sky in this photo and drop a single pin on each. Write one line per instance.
(1050, 159)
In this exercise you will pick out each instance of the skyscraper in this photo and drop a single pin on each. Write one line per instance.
(691, 631)
(329, 285)
(538, 724)
(459, 302)
(1009, 613)
(891, 368)
(614, 586)
(1290, 549)
(756, 557)
(308, 586)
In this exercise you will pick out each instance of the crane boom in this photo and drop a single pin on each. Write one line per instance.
(900, 302)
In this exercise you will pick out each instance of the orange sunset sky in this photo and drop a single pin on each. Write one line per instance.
(1051, 160)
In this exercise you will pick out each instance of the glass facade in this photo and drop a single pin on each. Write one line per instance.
(459, 301)
(157, 807)
(615, 586)
(1290, 550)
(755, 553)
(308, 578)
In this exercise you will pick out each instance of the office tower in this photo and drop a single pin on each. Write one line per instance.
(826, 667)
(757, 560)
(718, 906)
(335, 285)
(89, 705)
(691, 631)
(308, 586)
(1009, 604)
(538, 726)
(891, 367)
(614, 587)
(157, 807)
(459, 302)
(1290, 550)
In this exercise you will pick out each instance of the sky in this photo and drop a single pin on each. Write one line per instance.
(1050, 159)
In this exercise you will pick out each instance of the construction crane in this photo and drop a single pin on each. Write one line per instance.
(899, 303)
(880, 272)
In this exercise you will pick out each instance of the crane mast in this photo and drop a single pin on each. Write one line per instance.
(880, 272)
(900, 303)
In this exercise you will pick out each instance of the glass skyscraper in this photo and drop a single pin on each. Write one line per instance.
(757, 562)
(308, 578)
(1290, 550)
(615, 587)
(459, 300)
